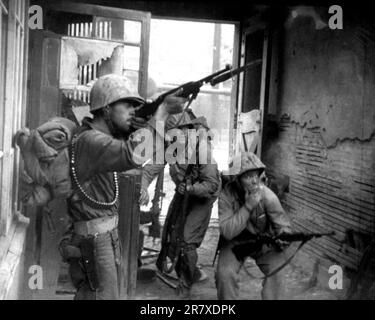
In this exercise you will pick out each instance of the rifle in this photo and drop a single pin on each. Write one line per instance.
(287, 237)
(154, 229)
(242, 248)
(265, 239)
(173, 229)
(191, 89)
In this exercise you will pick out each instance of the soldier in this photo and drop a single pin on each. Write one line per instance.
(101, 148)
(201, 188)
(247, 207)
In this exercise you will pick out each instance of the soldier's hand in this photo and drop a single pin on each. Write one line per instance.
(139, 123)
(181, 188)
(189, 187)
(252, 199)
(281, 244)
(144, 198)
(173, 103)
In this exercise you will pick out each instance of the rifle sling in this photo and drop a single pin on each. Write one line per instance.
(191, 99)
(279, 268)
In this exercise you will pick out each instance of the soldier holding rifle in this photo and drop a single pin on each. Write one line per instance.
(247, 208)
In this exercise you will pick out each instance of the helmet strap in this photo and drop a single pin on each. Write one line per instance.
(108, 121)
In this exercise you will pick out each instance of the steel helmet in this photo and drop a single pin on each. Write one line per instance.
(111, 88)
(249, 161)
(243, 162)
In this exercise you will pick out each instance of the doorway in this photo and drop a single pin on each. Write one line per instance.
(183, 51)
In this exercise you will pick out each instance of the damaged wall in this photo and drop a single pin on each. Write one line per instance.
(326, 142)
(78, 53)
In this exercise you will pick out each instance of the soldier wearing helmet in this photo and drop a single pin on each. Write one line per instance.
(247, 207)
(100, 148)
(202, 189)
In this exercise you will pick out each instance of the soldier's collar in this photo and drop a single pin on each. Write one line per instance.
(96, 126)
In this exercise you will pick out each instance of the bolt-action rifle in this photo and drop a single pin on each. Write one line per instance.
(191, 89)
(157, 202)
(174, 228)
(243, 246)
(287, 237)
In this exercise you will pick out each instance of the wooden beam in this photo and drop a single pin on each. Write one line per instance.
(8, 165)
(129, 218)
(235, 92)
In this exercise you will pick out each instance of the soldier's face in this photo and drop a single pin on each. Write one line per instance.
(122, 114)
(250, 180)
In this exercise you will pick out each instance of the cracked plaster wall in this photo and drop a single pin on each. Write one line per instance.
(328, 80)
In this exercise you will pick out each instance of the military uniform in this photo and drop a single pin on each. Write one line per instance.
(237, 222)
(204, 192)
(96, 157)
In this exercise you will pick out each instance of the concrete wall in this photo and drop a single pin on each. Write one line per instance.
(326, 144)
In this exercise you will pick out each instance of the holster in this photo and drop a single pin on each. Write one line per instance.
(87, 246)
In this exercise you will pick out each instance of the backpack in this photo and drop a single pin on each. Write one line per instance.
(45, 153)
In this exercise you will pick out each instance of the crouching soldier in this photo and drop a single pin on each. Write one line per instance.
(101, 148)
(197, 188)
(247, 208)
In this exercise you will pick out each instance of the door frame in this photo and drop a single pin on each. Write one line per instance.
(251, 25)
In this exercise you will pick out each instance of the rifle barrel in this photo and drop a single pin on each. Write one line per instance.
(292, 237)
(227, 68)
(303, 236)
(231, 73)
(197, 83)
(150, 108)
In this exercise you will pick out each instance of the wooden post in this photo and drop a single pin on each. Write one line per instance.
(129, 213)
